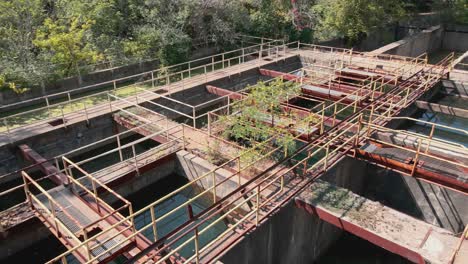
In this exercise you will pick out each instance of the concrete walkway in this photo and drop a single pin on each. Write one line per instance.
(41, 127)
(399, 233)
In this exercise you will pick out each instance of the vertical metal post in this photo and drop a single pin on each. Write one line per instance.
(93, 184)
(85, 237)
(63, 116)
(209, 124)
(323, 118)
(135, 160)
(193, 117)
(189, 70)
(26, 190)
(6, 125)
(152, 79)
(416, 157)
(390, 108)
(406, 96)
(110, 102)
(222, 60)
(86, 112)
(430, 138)
(370, 121)
(52, 209)
(115, 85)
(119, 147)
(228, 105)
(356, 142)
(325, 164)
(258, 206)
(260, 53)
(282, 183)
(48, 107)
(212, 64)
(183, 136)
(197, 246)
(132, 218)
(153, 223)
(214, 186)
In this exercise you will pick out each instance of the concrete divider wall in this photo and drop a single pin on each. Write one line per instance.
(455, 38)
(192, 167)
(428, 40)
(9, 97)
(198, 94)
(291, 235)
(433, 204)
(26, 233)
(56, 142)
(441, 37)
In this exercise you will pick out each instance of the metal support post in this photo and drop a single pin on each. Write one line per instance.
(194, 118)
(189, 70)
(153, 223)
(119, 147)
(214, 186)
(135, 160)
(258, 206)
(416, 157)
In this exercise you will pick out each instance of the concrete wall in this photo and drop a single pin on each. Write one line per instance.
(428, 40)
(428, 202)
(192, 167)
(291, 235)
(9, 97)
(447, 37)
(31, 231)
(455, 38)
(456, 87)
(56, 142)
(199, 94)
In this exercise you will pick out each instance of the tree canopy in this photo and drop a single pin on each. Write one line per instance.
(45, 40)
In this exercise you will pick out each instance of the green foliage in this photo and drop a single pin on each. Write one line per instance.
(259, 118)
(65, 40)
(354, 19)
(460, 10)
(455, 11)
(44, 40)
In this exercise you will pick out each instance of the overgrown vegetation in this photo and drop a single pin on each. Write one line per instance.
(45, 40)
(261, 116)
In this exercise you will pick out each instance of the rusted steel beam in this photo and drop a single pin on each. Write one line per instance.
(223, 92)
(335, 85)
(287, 107)
(361, 232)
(419, 172)
(128, 124)
(45, 166)
(362, 74)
